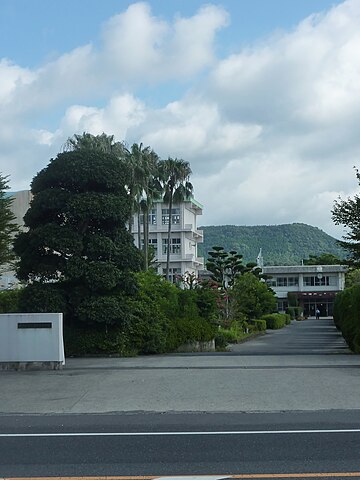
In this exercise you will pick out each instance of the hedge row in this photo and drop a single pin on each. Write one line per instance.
(347, 316)
(275, 321)
(158, 318)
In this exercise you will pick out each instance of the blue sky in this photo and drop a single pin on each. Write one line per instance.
(262, 97)
(35, 31)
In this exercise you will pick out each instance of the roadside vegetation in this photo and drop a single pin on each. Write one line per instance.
(77, 256)
(347, 303)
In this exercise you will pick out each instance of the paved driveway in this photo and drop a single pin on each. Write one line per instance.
(302, 367)
(308, 337)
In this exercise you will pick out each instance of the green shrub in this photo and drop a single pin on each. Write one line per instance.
(294, 312)
(259, 324)
(225, 336)
(42, 297)
(82, 341)
(347, 316)
(9, 301)
(274, 321)
(287, 319)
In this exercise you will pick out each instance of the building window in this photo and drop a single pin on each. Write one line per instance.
(316, 281)
(175, 246)
(175, 216)
(153, 244)
(174, 274)
(293, 281)
(151, 217)
(282, 305)
(281, 282)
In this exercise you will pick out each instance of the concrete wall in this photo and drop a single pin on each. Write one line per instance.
(21, 344)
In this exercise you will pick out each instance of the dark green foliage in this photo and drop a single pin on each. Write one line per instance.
(9, 301)
(281, 244)
(78, 241)
(43, 298)
(81, 341)
(275, 321)
(294, 312)
(160, 318)
(292, 299)
(323, 259)
(347, 213)
(347, 316)
(224, 266)
(8, 227)
(352, 277)
(252, 298)
(260, 325)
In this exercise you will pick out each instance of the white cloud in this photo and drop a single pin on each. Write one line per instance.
(271, 131)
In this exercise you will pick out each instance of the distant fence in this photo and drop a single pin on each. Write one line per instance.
(31, 340)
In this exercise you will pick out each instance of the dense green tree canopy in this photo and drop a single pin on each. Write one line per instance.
(252, 298)
(347, 213)
(8, 226)
(77, 237)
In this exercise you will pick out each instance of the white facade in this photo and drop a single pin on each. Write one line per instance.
(314, 286)
(19, 206)
(185, 237)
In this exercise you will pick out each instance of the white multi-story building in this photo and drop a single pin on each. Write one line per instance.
(314, 286)
(185, 237)
(19, 206)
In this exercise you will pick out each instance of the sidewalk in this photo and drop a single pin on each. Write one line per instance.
(256, 376)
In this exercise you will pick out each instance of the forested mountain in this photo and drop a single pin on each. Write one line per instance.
(281, 244)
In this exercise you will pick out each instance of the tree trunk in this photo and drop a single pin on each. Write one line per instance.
(139, 230)
(146, 238)
(169, 236)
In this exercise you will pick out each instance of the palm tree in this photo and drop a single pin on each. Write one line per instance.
(138, 175)
(145, 188)
(152, 190)
(174, 175)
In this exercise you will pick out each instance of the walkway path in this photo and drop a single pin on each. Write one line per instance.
(308, 337)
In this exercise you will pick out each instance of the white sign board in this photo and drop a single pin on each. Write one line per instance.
(31, 337)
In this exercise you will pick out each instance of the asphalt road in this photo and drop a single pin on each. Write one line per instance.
(180, 444)
(284, 403)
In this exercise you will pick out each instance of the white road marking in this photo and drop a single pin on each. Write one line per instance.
(159, 434)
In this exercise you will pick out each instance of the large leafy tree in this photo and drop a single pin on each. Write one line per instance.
(347, 213)
(103, 143)
(77, 250)
(174, 175)
(252, 298)
(8, 227)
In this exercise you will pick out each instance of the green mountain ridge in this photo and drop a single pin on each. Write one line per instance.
(284, 244)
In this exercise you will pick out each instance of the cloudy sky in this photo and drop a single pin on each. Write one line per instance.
(262, 97)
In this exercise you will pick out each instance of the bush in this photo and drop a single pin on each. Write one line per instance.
(9, 301)
(259, 324)
(294, 312)
(275, 321)
(81, 341)
(347, 316)
(42, 298)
